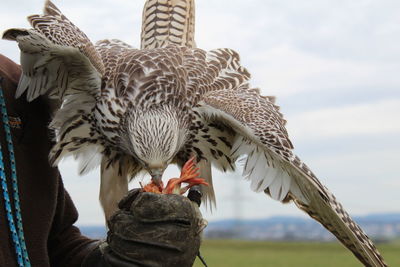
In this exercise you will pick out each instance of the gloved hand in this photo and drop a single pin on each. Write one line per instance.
(151, 230)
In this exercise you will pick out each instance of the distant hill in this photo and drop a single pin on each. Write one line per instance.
(381, 227)
(378, 226)
(95, 231)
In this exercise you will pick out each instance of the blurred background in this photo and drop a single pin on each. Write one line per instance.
(334, 68)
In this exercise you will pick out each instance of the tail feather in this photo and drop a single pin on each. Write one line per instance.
(168, 22)
(207, 191)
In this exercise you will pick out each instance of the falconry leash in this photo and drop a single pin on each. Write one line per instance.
(16, 229)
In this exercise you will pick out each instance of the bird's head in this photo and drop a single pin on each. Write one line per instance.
(154, 137)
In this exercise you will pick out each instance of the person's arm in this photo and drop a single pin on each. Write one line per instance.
(148, 230)
(66, 245)
(47, 210)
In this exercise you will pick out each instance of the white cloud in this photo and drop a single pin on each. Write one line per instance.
(284, 70)
(364, 180)
(354, 120)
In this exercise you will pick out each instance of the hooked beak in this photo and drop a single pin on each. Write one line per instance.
(156, 176)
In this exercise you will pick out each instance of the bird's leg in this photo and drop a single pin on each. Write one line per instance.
(189, 174)
(113, 187)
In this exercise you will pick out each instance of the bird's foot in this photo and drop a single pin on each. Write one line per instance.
(153, 187)
(189, 175)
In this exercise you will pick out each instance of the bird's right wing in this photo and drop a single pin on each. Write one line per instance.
(167, 22)
(58, 60)
(60, 63)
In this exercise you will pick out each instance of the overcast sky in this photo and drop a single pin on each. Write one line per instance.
(333, 66)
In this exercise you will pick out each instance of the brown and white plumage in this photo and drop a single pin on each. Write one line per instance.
(168, 22)
(272, 167)
(136, 110)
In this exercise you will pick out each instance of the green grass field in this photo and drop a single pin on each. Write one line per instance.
(230, 253)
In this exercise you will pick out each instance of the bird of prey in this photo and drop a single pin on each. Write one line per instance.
(134, 110)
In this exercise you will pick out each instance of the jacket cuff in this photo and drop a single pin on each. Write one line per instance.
(95, 257)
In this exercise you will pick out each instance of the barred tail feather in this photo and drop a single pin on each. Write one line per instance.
(168, 22)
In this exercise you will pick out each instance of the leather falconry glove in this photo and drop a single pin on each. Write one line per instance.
(151, 230)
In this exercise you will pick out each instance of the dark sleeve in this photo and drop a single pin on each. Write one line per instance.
(47, 210)
(66, 245)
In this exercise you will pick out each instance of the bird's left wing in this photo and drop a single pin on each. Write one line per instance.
(259, 132)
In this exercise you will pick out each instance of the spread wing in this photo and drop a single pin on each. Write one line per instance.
(60, 63)
(58, 60)
(168, 22)
(257, 129)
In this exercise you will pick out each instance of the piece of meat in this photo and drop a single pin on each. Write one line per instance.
(189, 175)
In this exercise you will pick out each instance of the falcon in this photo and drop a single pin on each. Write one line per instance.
(132, 110)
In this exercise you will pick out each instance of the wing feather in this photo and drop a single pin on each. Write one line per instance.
(257, 171)
(272, 167)
(59, 62)
(57, 58)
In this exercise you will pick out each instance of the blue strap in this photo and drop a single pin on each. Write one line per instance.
(16, 232)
